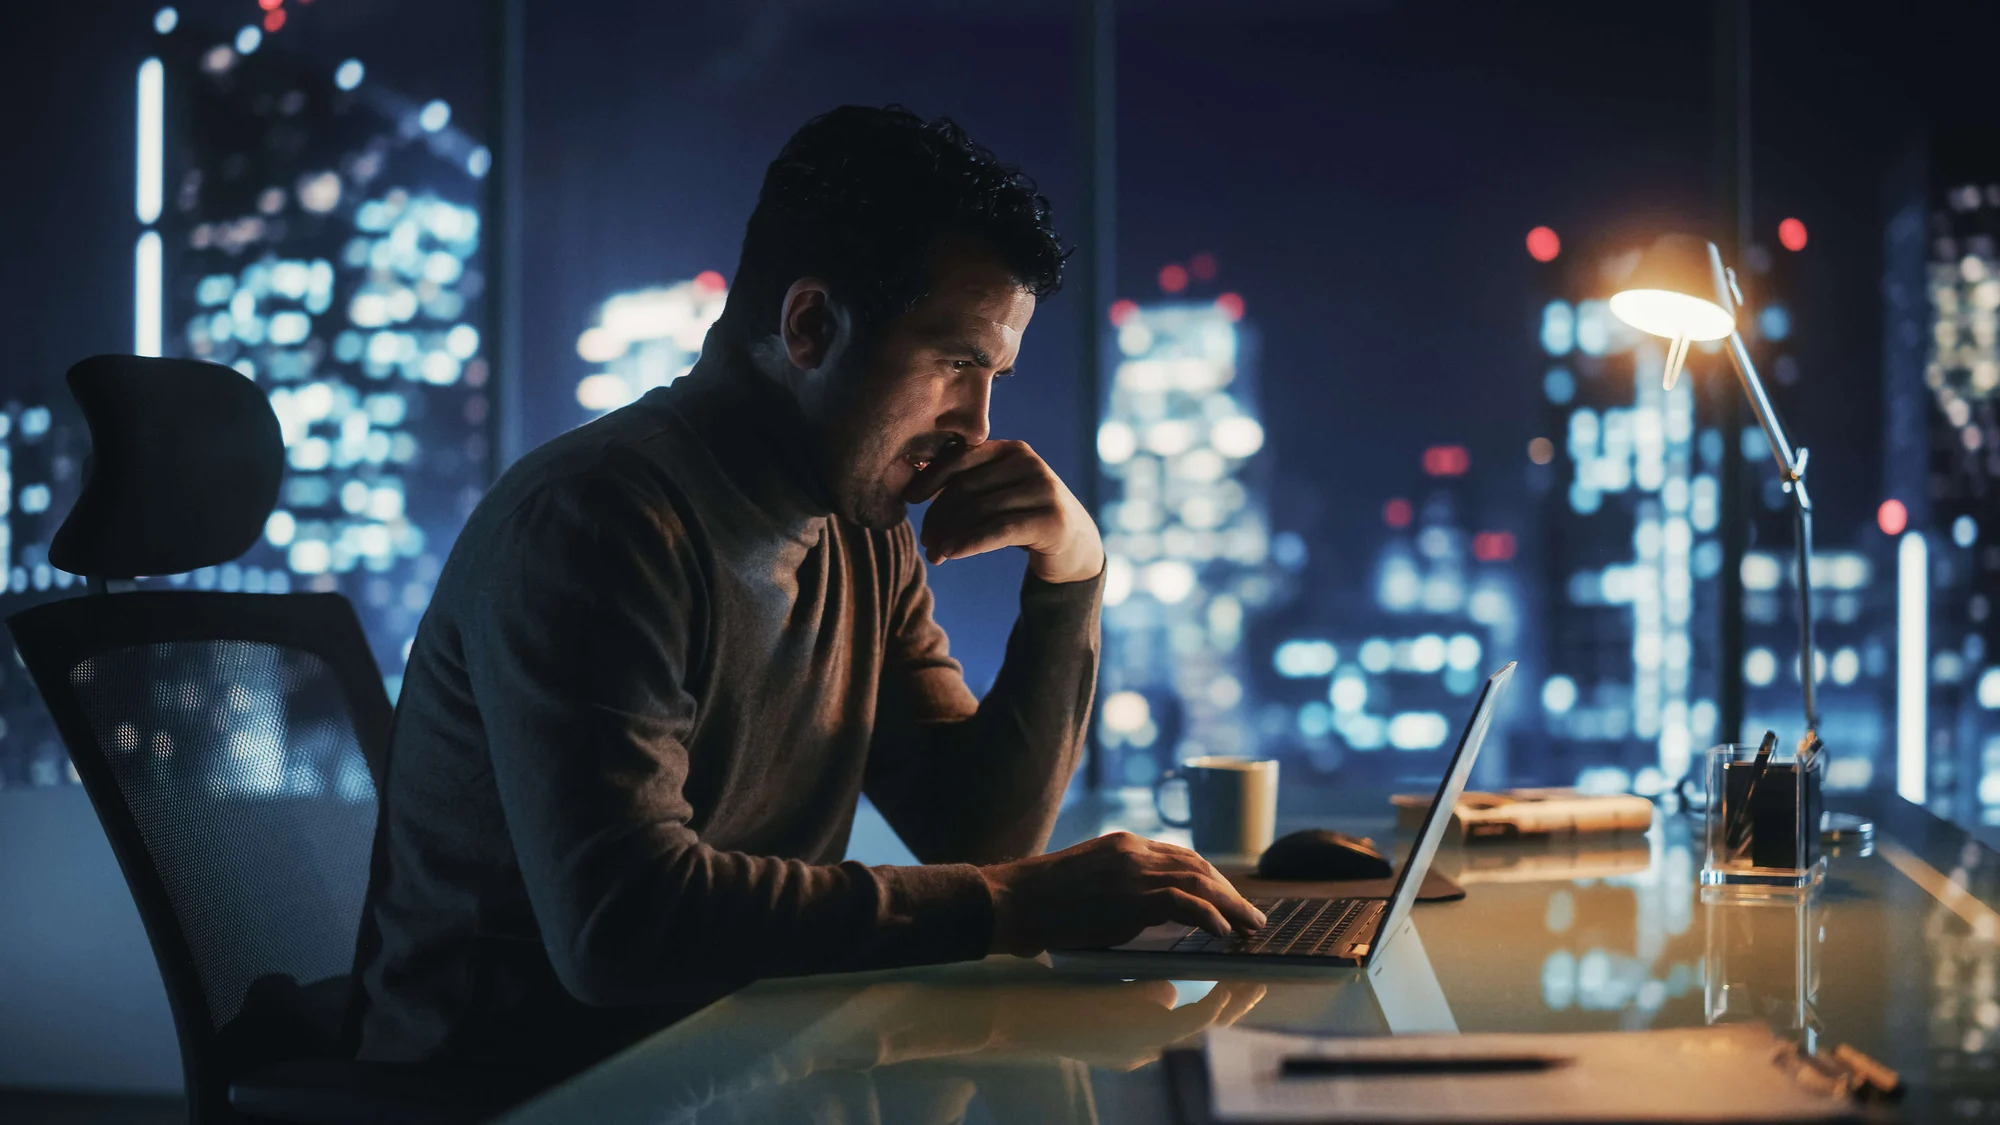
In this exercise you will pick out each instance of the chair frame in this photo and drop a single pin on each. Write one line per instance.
(52, 638)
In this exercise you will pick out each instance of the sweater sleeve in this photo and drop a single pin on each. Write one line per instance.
(965, 780)
(583, 649)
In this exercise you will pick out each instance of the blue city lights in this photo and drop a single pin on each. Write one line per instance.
(1188, 548)
(1559, 385)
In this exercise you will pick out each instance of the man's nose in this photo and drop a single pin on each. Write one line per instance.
(969, 415)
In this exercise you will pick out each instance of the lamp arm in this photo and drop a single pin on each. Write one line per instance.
(1808, 661)
(1790, 461)
(1792, 465)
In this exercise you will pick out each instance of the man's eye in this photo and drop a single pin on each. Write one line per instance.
(961, 364)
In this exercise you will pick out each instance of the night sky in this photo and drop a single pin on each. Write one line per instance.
(1363, 172)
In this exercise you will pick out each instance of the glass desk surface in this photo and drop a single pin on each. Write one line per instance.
(1895, 954)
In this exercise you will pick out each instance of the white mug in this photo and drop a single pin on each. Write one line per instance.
(1232, 804)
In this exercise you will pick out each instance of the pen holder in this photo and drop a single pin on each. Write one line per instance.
(1762, 960)
(1763, 819)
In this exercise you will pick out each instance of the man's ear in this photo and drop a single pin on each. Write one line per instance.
(809, 324)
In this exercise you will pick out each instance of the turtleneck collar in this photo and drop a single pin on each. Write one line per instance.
(758, 438)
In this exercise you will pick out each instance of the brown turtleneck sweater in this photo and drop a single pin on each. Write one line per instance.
(653, 683)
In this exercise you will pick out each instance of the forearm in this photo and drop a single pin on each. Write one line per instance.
(986, 788)
(687, 921)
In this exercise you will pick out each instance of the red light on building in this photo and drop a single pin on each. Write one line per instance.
(267, 5)
(1122, 311)
(1202, 266)
(1892, 517)
(1173, 278)
(1447, 460)
(1792, 235)
(1396, 513)
(274, 19)
(1230, 305)
(1543, 245)
(709, 281)
(1493, 546)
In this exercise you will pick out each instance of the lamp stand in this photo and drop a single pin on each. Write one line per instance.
(1792, 468)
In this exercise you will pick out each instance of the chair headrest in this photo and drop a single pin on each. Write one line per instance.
(184, 467)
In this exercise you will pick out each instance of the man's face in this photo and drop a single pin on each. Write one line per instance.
(922, 395)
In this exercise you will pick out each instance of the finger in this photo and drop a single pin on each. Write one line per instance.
(1234, 906)
(1171, 904)
(1010, 529)
(946, 520)
(956, 511)
(933, 479)
(1215, 886)
(1192, 1019)
(1158, 993)
(995, 475)
(1243, 996)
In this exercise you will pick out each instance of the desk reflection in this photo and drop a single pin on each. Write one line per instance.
(1015, 1037)
(1896, 953)
(1583, 935)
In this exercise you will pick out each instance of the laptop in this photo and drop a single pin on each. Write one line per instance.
(1322, 931)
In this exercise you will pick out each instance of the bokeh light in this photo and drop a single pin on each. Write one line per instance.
(1892, 517)
(1543, 245)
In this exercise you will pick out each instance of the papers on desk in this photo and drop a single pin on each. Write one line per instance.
(1737, 1073)
(1533, 814)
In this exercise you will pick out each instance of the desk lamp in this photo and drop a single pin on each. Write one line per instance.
(1680, 290)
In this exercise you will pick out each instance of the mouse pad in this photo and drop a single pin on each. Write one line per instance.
(1436, 887)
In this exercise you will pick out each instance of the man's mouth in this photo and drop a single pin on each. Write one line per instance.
(925, 465)
(945, 452)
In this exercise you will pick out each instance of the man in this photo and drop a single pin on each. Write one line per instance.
(672, 648)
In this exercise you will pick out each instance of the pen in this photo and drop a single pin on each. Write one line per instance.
(1742, 821)
(1332, 1066)
(1811, 752)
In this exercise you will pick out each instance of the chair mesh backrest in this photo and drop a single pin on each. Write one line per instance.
(240, 764)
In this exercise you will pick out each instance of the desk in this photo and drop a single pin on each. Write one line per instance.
(1895, 954)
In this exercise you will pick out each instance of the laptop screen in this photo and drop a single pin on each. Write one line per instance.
(1411, 879)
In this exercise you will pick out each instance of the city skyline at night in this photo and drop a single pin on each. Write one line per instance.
(321, 234)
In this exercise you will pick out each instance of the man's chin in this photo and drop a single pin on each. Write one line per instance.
(879, 512)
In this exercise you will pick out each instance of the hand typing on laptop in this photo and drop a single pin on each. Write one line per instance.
(1105, 891)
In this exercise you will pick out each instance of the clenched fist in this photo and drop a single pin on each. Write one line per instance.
(1002, 494)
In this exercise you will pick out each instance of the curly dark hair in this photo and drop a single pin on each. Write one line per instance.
(859, 197)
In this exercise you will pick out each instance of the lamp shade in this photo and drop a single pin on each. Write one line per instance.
(1678, 289)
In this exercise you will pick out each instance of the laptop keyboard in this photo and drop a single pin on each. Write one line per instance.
(1294, 927)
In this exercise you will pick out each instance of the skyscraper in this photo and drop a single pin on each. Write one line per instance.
(1629, 546)
(318, 232)
(1187, 537)
(1942, 470)
(322, 234)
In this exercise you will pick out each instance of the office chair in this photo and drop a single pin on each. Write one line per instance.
(233, 745)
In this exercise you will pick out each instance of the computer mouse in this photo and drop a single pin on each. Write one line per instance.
(1319, 854)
